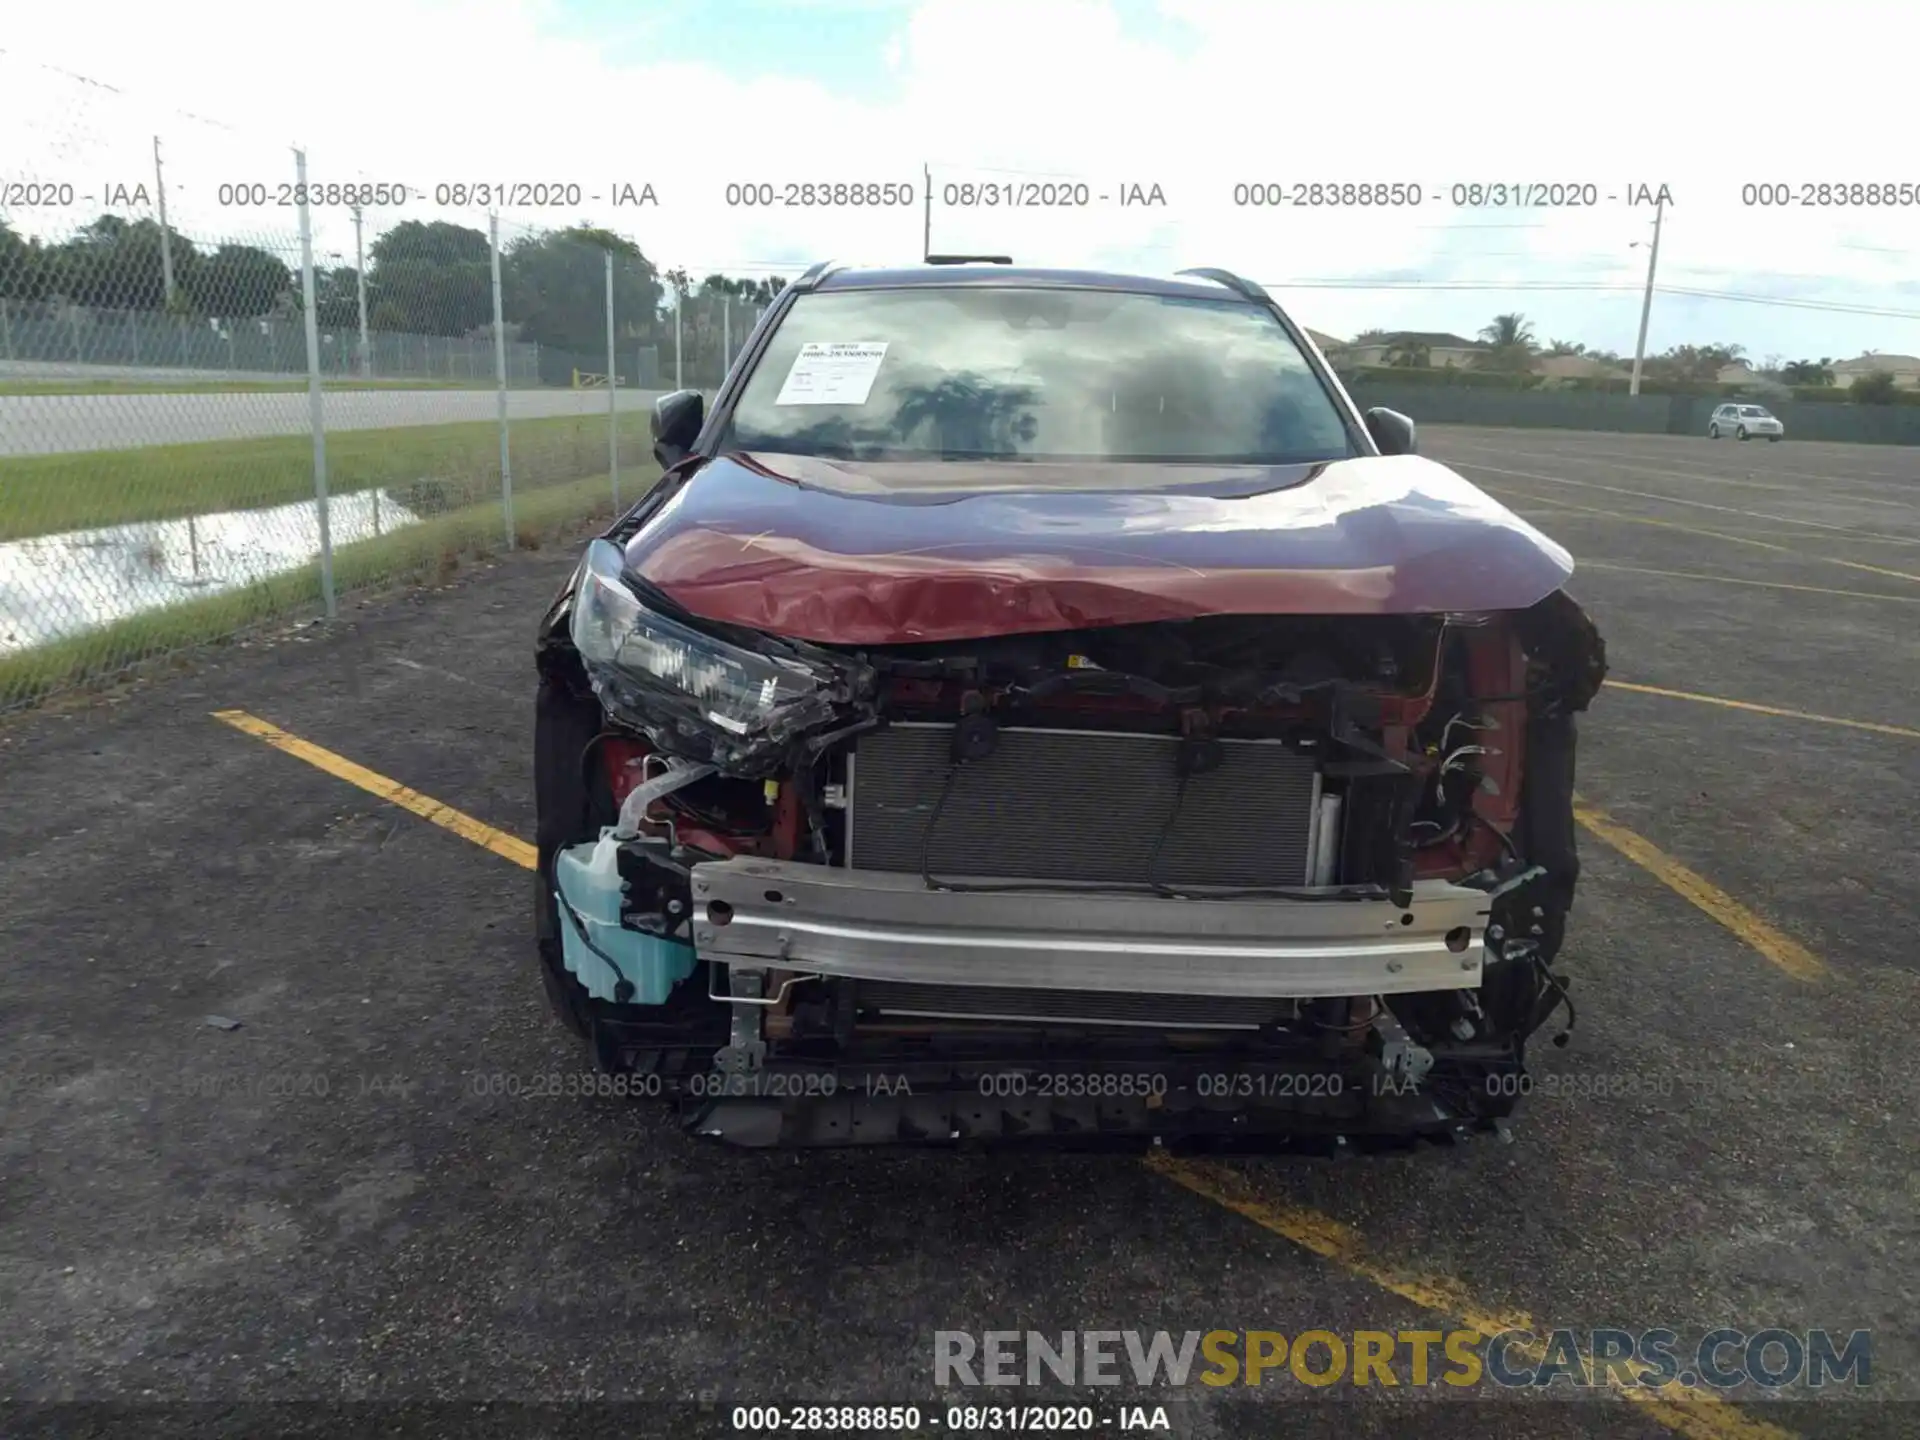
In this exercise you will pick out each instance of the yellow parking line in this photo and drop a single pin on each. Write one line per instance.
(509, 847)
(1686, 1412)
(1782, 949)
(1695, 1416)
(1722, 535)
(1741, 580)
(1898, 730)
(1839, 530)
(1607, 460)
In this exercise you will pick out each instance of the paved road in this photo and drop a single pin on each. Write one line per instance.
(185, 1215)
(46, 424)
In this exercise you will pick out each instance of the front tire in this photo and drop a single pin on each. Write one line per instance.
(1773, 439)
(568, 808)
(1741, 433)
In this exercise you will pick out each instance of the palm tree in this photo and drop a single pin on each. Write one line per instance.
(1508, 330)
(1808, 372)
(1510, 343)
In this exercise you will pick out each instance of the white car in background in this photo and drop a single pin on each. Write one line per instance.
(1743, 422)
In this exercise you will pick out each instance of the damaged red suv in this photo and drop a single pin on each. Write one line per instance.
(1038, 705)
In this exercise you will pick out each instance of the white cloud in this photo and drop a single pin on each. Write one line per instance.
(1620, 94)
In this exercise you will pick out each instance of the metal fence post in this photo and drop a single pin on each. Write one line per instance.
(613, 394)
(726, 336)
(679, 304)
(500, 375)
(316, 411)
(360, 290)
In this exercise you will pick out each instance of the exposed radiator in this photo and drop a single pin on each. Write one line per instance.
(1076, 805)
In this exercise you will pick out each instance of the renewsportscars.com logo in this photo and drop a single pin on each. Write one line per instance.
(1720, 1359)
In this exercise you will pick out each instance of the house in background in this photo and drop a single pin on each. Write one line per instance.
(1750, 380)
(1441, 349)
(1577, 367)
(1905, 369)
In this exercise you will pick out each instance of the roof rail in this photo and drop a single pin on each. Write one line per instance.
(815, 274)
(969, 260)
(1235, 283)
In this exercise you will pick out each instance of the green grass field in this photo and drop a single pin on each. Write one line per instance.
(441, 467)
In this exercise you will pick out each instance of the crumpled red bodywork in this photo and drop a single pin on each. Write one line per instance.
(878, 554)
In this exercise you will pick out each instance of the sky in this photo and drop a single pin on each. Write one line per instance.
(1195, 97)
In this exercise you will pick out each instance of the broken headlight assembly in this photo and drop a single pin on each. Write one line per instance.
(692, 694)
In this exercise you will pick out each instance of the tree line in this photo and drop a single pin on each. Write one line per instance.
(1508, 343)
(422, 277)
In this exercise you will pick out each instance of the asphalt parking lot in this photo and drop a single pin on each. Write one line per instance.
(1729, 1138)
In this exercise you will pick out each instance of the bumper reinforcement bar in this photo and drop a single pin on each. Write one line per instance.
(880, 925)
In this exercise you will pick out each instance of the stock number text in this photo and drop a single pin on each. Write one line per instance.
(1075, 1084)
(1321, 194)
(823, 194)
(1817, 193)
(570, 1084)
(840, 1418)
(256, 193)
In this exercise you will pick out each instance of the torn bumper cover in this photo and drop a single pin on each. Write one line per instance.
(875, 925)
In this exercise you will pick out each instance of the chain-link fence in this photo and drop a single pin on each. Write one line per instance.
(236, 385)
(708, 322)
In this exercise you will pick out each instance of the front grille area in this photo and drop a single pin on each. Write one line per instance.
(985, 1002)
(1080, 806)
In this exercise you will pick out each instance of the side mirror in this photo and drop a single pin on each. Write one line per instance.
(1391, 431)
(675, 423)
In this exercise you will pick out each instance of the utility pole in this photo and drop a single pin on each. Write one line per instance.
(166, 240)
(1646, 303)
(926, 224)
(360, 284)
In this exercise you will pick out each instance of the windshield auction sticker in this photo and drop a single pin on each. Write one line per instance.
(837, 374)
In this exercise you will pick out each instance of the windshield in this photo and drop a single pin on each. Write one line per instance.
(1754, 412)
(970, 372)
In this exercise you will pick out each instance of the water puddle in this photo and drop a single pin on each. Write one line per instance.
(54, 586)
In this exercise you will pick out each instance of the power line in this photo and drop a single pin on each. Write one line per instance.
(1838, 307)
(123, 93)
(1515, 285)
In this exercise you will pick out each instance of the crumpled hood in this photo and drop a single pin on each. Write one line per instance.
(849, 553)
